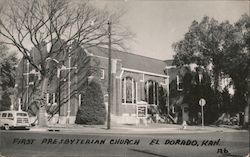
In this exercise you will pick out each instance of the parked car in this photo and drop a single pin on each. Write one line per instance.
(14, 119)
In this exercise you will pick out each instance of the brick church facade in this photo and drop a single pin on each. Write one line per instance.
(135, 79)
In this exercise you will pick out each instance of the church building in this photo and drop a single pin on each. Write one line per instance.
(135, 79)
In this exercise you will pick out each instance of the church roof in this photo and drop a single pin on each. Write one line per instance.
(169, 62)
(132, 61)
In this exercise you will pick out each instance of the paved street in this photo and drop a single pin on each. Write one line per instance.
(207, 144)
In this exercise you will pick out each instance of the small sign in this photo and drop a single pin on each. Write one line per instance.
(142, 111)
(202, 102)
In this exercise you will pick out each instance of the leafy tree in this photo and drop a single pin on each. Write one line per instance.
(92, 110)
(202, 46)
(162, 101)
(220, 49)
(50, 26)
(7, 76)
(227, 105)
(236, 60)
(193, 90)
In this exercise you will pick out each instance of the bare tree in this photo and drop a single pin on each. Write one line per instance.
(44, 23)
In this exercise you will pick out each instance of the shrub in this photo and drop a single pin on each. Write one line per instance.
(92, 110)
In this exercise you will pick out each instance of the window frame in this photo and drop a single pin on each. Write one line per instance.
(4, 115)
(10, 115)
(102, 74)
(178, 82)
(51, 99)
(155, 92)
(124, 91)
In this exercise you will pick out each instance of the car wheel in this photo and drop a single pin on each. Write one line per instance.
(6, 127)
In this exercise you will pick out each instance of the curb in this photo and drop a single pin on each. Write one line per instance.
(118, 130)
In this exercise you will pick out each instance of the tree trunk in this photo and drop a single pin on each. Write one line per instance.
(216, 80)
(42, 119)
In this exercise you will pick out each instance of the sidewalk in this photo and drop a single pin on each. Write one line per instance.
(132, 129)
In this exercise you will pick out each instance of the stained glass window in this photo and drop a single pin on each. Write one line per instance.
(129, 93)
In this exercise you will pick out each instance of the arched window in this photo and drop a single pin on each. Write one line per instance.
(151, 92)
(129, 88)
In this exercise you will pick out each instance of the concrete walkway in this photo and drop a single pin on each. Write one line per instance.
(133, 129)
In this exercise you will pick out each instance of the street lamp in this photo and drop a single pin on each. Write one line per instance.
(28, 73)
(69, 85)
(59, 84)
(63, 67)
(49, 58)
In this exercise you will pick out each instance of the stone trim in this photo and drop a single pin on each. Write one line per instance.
(129, 104)
(144, 72)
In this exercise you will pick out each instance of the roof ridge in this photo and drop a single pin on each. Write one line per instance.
(131, 60)
(131, 53)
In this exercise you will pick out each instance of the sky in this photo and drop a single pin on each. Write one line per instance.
(157, 24)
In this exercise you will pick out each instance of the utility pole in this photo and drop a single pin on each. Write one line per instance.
(69, 82)
(27, 84)
(109, 78)
(27, 94)
(22, 96)
(202, 102)
(168, 89)
(59, 93)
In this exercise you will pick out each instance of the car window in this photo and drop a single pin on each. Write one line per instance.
(10, 115)
(21, 114)
(4, 114)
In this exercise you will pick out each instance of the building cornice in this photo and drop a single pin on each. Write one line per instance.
(145, 72)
